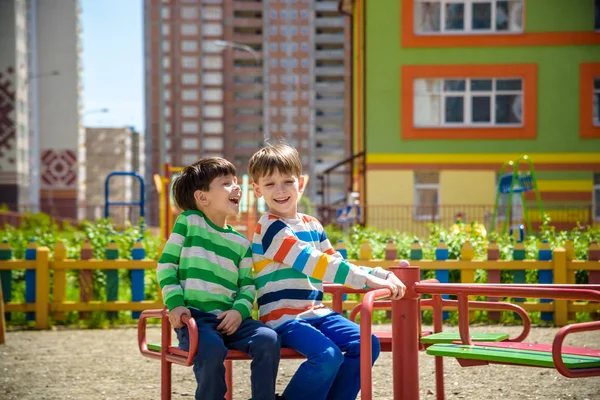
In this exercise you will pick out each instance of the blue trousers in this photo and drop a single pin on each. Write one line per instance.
(331, 345)
(257, 340)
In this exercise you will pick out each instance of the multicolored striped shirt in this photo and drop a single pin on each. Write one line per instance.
(206, 267)
(292, 258)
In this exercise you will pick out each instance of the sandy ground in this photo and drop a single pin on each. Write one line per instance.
(106, 364)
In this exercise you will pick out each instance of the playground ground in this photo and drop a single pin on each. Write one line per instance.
(106, 364)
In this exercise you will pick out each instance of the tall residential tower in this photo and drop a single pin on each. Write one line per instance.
(224, 75)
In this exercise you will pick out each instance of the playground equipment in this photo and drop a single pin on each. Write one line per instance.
(406, 326)
(516, 183)
(407, 339)
(140, 203)
(169, 353)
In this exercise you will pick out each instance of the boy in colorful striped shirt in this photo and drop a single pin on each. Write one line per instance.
(292, 257)
(205, 272)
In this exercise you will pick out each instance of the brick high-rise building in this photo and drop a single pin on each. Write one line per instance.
(224, 75)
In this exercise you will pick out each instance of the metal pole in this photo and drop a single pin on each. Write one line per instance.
(405, 336)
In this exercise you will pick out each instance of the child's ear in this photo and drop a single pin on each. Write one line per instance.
(301, 183)
(200, 197)
(256, 190)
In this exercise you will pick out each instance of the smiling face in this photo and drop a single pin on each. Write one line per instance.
(221, 200)
(281, 192)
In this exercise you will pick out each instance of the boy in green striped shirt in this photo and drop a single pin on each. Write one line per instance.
(205, 272)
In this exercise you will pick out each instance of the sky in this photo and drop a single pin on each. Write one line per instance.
(113, 63)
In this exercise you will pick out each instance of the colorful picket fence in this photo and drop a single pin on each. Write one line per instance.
(46, 279)
(46, 296)
(556, 266)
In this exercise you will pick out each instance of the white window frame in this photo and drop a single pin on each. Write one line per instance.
(190, 62)
(427, 186)
(190, 143)
(213, 127)
(212, 111)
(595, 101)
(212, 13)
(189, 95)
(212, 144)
(190, 127)
(190, 111)
(189, 78)
(189, 45)
(212, 29)
(212, 95)
(467, 94)
(189, 29)
(189, 12)
(468, 18)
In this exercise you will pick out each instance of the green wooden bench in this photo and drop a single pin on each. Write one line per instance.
(539, 356)
(449, 337)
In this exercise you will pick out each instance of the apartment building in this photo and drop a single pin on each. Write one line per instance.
(113, 150)
(223, 76)
(41, 143)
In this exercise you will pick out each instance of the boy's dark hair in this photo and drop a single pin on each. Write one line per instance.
(198, 176)
(279, 156)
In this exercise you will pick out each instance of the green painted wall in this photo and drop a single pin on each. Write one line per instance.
(558, 81)
(559, 15)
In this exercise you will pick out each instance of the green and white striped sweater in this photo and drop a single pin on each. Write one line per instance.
(206, 267)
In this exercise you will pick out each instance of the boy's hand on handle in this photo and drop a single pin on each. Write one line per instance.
(231, 322)
(394, 280)
(176, 314)
(378, 283)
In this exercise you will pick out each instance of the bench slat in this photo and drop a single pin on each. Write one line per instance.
(231, 354)
(510, 355)
(581, 351)
(449, 337)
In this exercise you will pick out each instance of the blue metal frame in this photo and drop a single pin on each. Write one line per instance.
(107, 203)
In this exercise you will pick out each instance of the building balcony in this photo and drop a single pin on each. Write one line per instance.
(248, 22)
(328, 38)
(330, 71)
(329, 117)
(329, 22)
(242, 79)
(330, 153)
(326, 5)
(255, 5)
(329, 103)
(331, 136)
(254, 71)
(257, 134)
(249, 103)
(248, 56)
(248, 87)
(250, 119)
(250, 38)
(329, 54)
(330, 86)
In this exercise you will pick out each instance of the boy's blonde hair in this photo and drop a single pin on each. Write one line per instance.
(280, 157)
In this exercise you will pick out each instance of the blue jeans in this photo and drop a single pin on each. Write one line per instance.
(252, 337)
(332, 346)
